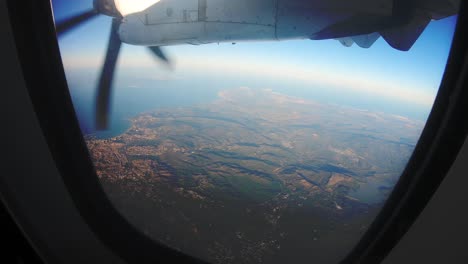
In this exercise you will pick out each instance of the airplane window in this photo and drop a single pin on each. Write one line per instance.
(253, 131)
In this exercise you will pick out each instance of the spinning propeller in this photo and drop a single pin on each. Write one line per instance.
(108, 8)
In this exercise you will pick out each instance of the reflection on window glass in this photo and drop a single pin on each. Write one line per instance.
(241, 140)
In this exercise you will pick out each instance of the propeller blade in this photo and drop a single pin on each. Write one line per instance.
(107, 75)
(69, 23)
(157, 51)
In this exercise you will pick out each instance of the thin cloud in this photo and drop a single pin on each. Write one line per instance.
(392, 89)
(312, 75)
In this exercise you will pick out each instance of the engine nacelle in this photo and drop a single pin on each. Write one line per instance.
(172, 22)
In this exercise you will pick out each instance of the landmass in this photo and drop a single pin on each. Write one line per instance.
(256, 176)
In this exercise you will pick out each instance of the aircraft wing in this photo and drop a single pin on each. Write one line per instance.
(400, 30)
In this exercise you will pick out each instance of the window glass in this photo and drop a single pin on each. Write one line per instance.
(256, 143)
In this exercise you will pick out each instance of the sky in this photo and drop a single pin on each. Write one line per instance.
(411, 77)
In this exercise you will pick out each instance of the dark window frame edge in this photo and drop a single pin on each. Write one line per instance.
(56, 115)
(41, 64)
(431, 159)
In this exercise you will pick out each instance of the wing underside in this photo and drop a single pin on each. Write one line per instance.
(401, 30)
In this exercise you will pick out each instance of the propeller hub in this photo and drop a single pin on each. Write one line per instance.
(107, 7)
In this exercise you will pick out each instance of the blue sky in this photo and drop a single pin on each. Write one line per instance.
(407, 77)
